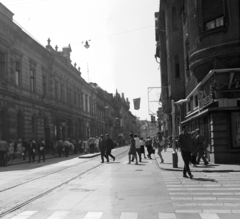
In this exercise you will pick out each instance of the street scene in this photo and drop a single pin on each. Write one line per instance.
(120, 109)
(85, 188)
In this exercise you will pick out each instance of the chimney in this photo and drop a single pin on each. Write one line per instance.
(123, 95)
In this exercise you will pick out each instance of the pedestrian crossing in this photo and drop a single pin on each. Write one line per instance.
(207, 194)
(194, 214)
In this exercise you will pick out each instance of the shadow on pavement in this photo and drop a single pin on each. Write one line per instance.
(204, 179)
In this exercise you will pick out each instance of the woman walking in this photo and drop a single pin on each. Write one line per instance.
(132, 150)
(160, 145)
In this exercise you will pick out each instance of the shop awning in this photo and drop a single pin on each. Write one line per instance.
(196, 116)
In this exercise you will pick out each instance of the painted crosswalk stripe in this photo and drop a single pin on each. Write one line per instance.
(129, 215)
(24, 215)
(167, 215)
(59, 215)
(209, 216)
(93, 215)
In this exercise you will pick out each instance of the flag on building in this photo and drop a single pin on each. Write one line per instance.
(136, 103)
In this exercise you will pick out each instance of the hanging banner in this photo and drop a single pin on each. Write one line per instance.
(136, 103)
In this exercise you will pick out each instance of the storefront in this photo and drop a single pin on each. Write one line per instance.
(214, 108)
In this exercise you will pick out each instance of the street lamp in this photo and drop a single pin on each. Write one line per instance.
(174, 153)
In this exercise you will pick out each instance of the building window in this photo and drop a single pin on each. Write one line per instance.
(56, 90)
(2, 65)
(212, 13)
(174, 18)
(75, 98)
(44, 85)
(214, 23)
(62, 92)
(17, 73)
(177, 67)
(32, 80)
(196, 100)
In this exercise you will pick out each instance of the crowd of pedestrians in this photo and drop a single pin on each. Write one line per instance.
(192, 146)
(33, 151)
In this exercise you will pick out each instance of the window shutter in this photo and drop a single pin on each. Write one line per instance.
(212, 9)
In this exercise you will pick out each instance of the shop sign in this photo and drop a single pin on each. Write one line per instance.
(204, 99)
(231, 82)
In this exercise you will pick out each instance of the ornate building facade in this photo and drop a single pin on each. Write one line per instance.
(42, 94)
(208, 43)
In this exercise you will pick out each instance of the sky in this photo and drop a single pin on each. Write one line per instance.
(121, 35)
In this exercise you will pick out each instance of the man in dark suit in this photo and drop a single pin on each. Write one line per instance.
(102, 148)
(109, 144)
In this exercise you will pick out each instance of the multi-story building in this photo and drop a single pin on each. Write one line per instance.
(211, 69)
(42, 94)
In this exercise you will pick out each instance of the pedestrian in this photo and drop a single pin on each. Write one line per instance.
(66, 146)
(148, 144)
(59, 147)
(32, 151)
(25, 146)
(91, 143)
(160, 141)
(96, 143)
(3, 151)
(102, 148)
(11, 149)
(138, 150)
(194, 149)
(109, 147)
(132, 150)
(201, 147)
(184, 143)
(41, 150)
(142, 142)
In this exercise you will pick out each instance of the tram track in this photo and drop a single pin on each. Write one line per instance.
(9, 209)
(45, 175)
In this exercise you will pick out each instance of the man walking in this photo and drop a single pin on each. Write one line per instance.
(41, 151)
(200, 147)
(66, 146)
(91, 143)
(102, 148)
(32, 151)
(184, 143)
(149, 147)
(109, 145)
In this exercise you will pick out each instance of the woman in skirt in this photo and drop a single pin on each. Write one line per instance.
(132, 150)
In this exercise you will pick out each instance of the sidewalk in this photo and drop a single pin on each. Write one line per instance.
(211, 167)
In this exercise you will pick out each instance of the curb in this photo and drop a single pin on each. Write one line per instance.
(193, 170)
(89, 156)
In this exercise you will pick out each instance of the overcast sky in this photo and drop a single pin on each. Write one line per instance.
(122, 46)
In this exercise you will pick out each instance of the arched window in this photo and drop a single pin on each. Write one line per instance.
(177, 67)
(174, 18)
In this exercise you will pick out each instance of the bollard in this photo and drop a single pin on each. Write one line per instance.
(175, 159)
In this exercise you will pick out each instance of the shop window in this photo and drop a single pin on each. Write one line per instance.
(174, 19)
(2, 65)
(177, 67)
